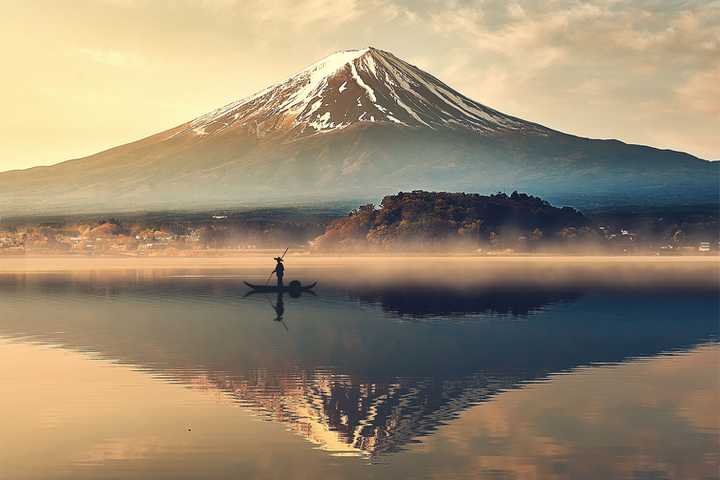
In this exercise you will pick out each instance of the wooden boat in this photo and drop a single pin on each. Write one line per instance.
(293, 286)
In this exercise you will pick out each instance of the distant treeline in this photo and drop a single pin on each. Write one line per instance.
(416, 220)
(422, 220)
(165, 232)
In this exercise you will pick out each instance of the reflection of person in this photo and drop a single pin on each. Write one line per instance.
(279, 271)
(279, 307)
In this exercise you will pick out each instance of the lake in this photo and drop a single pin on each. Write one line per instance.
(405, 367)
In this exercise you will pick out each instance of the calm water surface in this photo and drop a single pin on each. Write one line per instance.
(179, 374)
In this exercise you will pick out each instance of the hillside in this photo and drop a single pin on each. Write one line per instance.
(439, 219)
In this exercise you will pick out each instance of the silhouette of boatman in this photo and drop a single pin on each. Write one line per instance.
(279, 271)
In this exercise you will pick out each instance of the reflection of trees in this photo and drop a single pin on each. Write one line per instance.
(426, 301)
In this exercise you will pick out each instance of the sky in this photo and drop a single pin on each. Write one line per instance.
(80, 76)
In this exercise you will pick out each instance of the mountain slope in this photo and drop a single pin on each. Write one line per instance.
(358, 124)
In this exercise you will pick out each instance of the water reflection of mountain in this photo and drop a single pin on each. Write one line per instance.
(344, 376)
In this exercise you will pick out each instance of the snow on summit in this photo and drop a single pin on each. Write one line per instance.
(355, 87)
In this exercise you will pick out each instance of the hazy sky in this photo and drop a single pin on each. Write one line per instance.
(80, 76)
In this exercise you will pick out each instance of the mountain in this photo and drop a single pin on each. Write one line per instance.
(356, 125)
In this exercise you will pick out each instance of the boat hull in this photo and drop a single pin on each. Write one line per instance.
(285, 288)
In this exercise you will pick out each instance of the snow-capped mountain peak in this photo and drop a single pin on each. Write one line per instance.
(354, 87)
(356, 125)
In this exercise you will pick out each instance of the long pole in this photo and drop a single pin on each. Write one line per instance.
(271, 273)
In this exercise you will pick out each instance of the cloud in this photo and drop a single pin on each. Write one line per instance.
(638, 66)
(301, 15)
(113, 58)
(702, 91)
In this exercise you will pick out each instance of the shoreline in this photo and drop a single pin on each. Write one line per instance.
(58, 263)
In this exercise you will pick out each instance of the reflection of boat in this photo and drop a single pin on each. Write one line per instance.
(293, 286)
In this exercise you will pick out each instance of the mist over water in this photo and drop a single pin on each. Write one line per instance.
(391, 368)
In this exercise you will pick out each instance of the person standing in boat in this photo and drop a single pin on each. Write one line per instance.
(279, 271)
